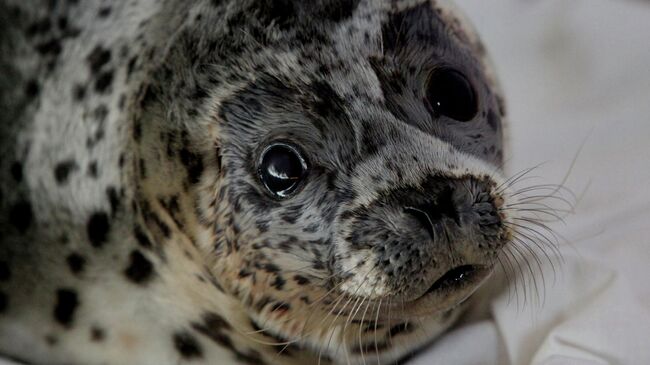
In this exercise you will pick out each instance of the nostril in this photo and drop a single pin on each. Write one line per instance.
(432, 212)
(442, 206)
(422, 217)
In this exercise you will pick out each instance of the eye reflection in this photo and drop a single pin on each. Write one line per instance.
(281, 169)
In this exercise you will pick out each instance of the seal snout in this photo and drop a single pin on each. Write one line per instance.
(462, 225)
(437, 236)
(459, 203)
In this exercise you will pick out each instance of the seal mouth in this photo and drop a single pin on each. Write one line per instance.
(449, 290)
(453, 278)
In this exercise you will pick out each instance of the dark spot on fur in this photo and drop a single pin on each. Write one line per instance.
(300, 280)
(164, 228)
(418, 23)
(97, 228)
(92, 169)
(104, 12)
(369, 142)
(340, 10)
(66, 304)
(104, 81)
(263, 302)
(148, 97)
(244, 273)
(193, 163)
(278, 283)
(327, 104)
(271, 268)
(50, 47)
(282, 12)
(63, 169)
(187, 345)
(217, 154)
(280, 307)
(62, 23)
(32, 88)
(76, 263)
(100, 113)
(137, 129)
(140, 268)
(39, 27)
(213, 326)
(78, 92)
(21, 215)
(113, 199)
(142, 238)
(131, 66)
(17, 171)
(98, 58)
(97, 334)
(215, 321)
(291, 216)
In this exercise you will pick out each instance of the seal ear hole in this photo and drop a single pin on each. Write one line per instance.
(281, 169)
(450, 93)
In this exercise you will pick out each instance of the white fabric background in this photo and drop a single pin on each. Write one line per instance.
(573, 71)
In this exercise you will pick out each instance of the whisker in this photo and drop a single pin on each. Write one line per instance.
(536, 198)
(518, 274)
(544, 187)
(520, 236)
(530, 270)
(514, 178)
(539, 267)
(375, 334)
(505, 273)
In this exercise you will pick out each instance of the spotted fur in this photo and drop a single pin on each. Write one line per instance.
(134, 229)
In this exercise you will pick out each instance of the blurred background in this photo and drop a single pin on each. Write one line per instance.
(575, 73)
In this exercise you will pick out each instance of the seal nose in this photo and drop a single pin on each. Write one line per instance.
(432, 212)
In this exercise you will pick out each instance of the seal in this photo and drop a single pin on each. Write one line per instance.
(243, 181)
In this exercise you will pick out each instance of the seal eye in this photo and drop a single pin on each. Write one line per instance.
(449, 93)
(281, 169)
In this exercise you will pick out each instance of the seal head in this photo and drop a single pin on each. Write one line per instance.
(355, 178)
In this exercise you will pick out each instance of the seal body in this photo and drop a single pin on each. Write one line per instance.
(257, 181)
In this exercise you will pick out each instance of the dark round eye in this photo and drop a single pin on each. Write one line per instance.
(281, 169)
(449, 93)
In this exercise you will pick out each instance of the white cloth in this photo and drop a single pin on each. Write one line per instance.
(573, 71)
